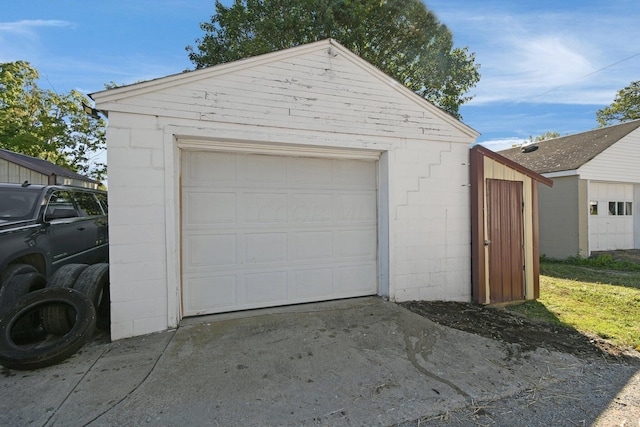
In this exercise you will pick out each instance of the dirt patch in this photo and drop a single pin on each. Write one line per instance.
(500, 324)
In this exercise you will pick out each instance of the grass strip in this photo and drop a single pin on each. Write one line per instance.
(591, 299)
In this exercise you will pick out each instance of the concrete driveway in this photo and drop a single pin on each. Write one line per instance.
(358, 362)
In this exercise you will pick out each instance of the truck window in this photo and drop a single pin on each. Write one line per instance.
(17, 203)
(60, 206)
(87, 204)
(102, 198)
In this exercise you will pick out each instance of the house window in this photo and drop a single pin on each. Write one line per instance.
(627, 210)
(612, 208)
(593, 208)
(620, 208)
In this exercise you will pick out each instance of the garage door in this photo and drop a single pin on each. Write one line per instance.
(261, 230)
(610, 216)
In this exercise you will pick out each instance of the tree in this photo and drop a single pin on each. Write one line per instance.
(400, 37)
(44, 124)
(547, 135)
(625, 106)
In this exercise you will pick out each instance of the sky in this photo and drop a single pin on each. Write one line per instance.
(544, 65)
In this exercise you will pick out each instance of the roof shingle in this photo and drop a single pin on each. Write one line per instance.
(569, 152)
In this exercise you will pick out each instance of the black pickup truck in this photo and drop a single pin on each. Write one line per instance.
(47, 226)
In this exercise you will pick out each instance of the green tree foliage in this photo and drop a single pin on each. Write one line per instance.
(625, 106)
(400, 37)
(547, 135)
(41, 123)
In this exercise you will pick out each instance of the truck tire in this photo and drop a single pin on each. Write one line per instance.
(13, 269)
(66, 276)
(54, 348)
(15, 287)
(58, 319)
(94, 283)
(18, 285)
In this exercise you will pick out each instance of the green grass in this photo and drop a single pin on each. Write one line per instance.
(602, 300)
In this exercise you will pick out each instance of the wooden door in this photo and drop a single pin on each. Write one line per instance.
(505, 240)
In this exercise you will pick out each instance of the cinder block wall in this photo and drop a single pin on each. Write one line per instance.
(138, 263)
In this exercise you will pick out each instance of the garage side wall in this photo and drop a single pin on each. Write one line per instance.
(138, 261)
(10, 172)
(430, 222)
(559, 218)
(428, 225)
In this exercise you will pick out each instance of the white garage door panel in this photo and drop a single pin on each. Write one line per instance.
(262, 230)
(610, 232)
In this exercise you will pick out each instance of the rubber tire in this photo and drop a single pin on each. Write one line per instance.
(55, 348)
(14, 269)
(66, 276)
(57, 319)
(23, 281)
(94, 283)
(18, 285)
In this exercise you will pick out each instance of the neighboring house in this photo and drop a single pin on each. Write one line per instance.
(300, 175)
(593, 205)
(18, 168)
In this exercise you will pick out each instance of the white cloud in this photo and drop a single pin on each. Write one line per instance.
(549, 61)
(564, 56)
(26, 26)
(503, 144)
(22, 38)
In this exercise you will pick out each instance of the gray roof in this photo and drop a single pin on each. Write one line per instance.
(569, 152)
(41, 166)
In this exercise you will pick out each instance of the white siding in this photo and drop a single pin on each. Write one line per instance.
(312, 92)
(12, 173)
(618, 163)
(305, 100)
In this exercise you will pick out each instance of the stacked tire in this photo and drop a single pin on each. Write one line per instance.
(43, 323)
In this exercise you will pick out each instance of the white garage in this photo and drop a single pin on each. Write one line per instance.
(262, 230)
(301, 175)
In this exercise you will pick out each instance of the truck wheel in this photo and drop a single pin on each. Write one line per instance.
(94, 283)
(13, 269)
(58, 319)
(18, 285)
(54, 348)
(66, 276)
(15, 287)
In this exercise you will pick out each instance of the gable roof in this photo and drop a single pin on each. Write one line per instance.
(41, 166)
(569, 152)
(511, 164)
(109, 98)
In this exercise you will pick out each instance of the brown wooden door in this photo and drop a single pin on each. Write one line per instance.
(505, 240)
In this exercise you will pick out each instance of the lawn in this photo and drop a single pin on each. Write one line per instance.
(599, 297)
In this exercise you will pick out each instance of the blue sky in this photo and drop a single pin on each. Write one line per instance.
(545, 65)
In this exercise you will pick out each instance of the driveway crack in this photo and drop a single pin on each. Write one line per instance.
(424, 344)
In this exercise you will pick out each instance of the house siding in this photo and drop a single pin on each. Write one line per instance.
(12, 173)
(618, 163)
(559, 218)
(636, 219)
(310, 100)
